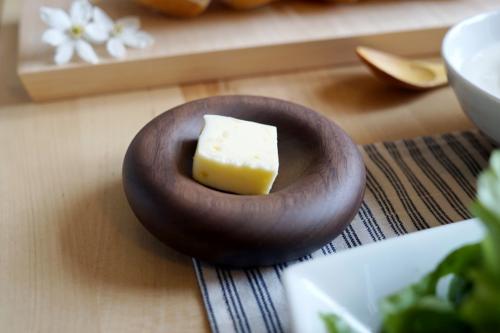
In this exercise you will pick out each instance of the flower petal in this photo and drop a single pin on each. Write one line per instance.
(129, 23)
(81, 12)
(54, 37)
(64, 52)
(86, 52)
(96, 33)
(138, 40)
(116, 48)
(102, 19)
(55, 18)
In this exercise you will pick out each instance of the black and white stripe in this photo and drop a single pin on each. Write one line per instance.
(229, 301)
(463, 154)
(431, 204)
(473, 140)
(206, 296)
(410, 208)
(436, 179)
(440, 155)
(385, 204)
(266, 306)
(370, 223)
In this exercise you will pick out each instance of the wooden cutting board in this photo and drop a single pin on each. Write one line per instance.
(223, 43)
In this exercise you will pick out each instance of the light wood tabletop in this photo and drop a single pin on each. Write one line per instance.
(73, 257)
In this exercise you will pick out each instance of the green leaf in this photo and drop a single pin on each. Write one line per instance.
(459, 288)
(458, 262)
(481, 308)
(426, 315)
(334, 324)
(473, 300)
(491, 243)
(419, 301)
(488, 191)
(495, 162)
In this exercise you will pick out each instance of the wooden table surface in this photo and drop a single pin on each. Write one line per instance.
(73, 257)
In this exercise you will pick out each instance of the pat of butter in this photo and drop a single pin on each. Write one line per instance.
(236, 155)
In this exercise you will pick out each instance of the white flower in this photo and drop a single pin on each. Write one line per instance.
(488, 191)
(123, 32)
(73, 31)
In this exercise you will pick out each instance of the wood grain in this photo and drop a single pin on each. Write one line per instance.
(317, 192)
(224, 43)
(74, 258)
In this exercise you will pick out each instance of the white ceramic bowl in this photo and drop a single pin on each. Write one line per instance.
(460, 43)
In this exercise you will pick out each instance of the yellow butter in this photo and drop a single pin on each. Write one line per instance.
(236, 156)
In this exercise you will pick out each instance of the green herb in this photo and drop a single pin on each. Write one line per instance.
(334, 324)
(472, 303)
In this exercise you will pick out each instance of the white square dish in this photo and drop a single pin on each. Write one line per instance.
(352, 283)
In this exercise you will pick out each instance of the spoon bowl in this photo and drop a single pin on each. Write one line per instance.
(402, 72)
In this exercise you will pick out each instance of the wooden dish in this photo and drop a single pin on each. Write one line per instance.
(316, 194)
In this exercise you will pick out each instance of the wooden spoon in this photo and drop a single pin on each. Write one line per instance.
(406, 73)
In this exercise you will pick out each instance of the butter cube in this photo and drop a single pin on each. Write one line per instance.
(236, 156)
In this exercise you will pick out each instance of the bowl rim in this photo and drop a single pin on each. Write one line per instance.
(293, 109)
(446, 46)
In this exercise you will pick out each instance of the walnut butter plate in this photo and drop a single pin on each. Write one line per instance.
(317, 192)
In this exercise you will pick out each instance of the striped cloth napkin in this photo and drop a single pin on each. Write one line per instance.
(411, 185)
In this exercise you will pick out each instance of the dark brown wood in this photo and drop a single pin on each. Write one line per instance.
(316, 194)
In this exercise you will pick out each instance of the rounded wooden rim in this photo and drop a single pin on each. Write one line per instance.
(323, 192)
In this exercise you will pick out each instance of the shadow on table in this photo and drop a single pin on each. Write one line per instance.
(102, 240)
(355, 93)
(11, 88)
